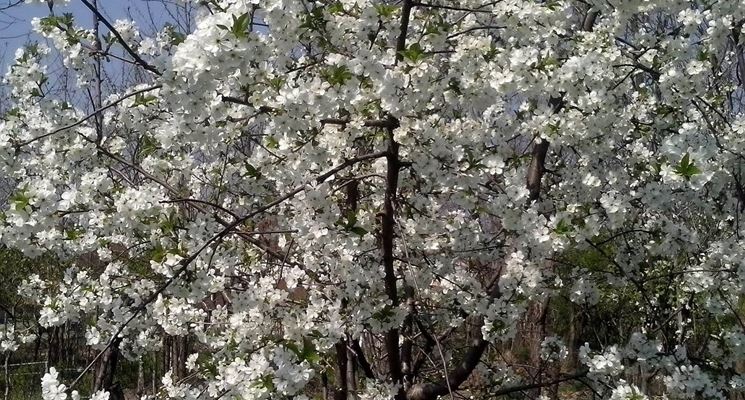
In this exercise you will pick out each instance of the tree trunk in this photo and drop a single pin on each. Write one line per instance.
(53, 346)
(340, 371)
(140, 379)
(103, 378)
(175, 349)
(7, 375)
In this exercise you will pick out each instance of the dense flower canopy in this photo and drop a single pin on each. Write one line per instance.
(295, 176)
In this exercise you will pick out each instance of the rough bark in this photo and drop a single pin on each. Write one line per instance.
(537, 169)
(388, 218)
(53, 346)
(103, 375)
(340, 371)
(6, 373)
(175, 352)
(387, 233)
(140, 379)
(351, 371)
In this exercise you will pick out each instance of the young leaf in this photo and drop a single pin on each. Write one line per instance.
(414, 53)
(686, 168)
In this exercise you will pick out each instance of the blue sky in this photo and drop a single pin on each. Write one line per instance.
(15, 21)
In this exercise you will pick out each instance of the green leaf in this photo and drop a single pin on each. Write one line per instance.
(176, 37)
(491, 54)
(30, 50)
(546, 63)
(552, 5)
(703, 55)
(149, 146)
(384, 315)
(169, 223)
(664, 110)
(309, 353)
(267, 382)
(351, 219)
(14, 112)
(20, 200)
(314, 20)
(553, 129)
(64, 22)
(686, 168)
(241, 26)
(358, 230)
(349, 222)
(337, 75)
(73, 234)
(414, 53)
(385, 10)
(271, 142)
(158, 254)
(143, 100)
(436, 25)
(563, 227)
(454, 85)
(109, 39)
(294, 348)
(336, 8)
(276, 83)
(252, 171)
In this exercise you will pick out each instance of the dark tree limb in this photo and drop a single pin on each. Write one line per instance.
(431, 391)
(387, 226)
(386, 233)
(361, 359)
(120, 39)
(454, 379)
(89, 116)
(537, 169)
(341, 385)
(538, 155)
(530, 386)
(106, 368)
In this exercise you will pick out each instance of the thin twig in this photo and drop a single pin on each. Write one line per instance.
(121, 40)
(89, 116)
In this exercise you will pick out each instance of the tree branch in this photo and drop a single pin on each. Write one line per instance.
(521, 388)
(121, 40)
(89, 116)
(364, 364)
(455, 8)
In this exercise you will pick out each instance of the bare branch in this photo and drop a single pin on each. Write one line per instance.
(89, 116)
(121, 40)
